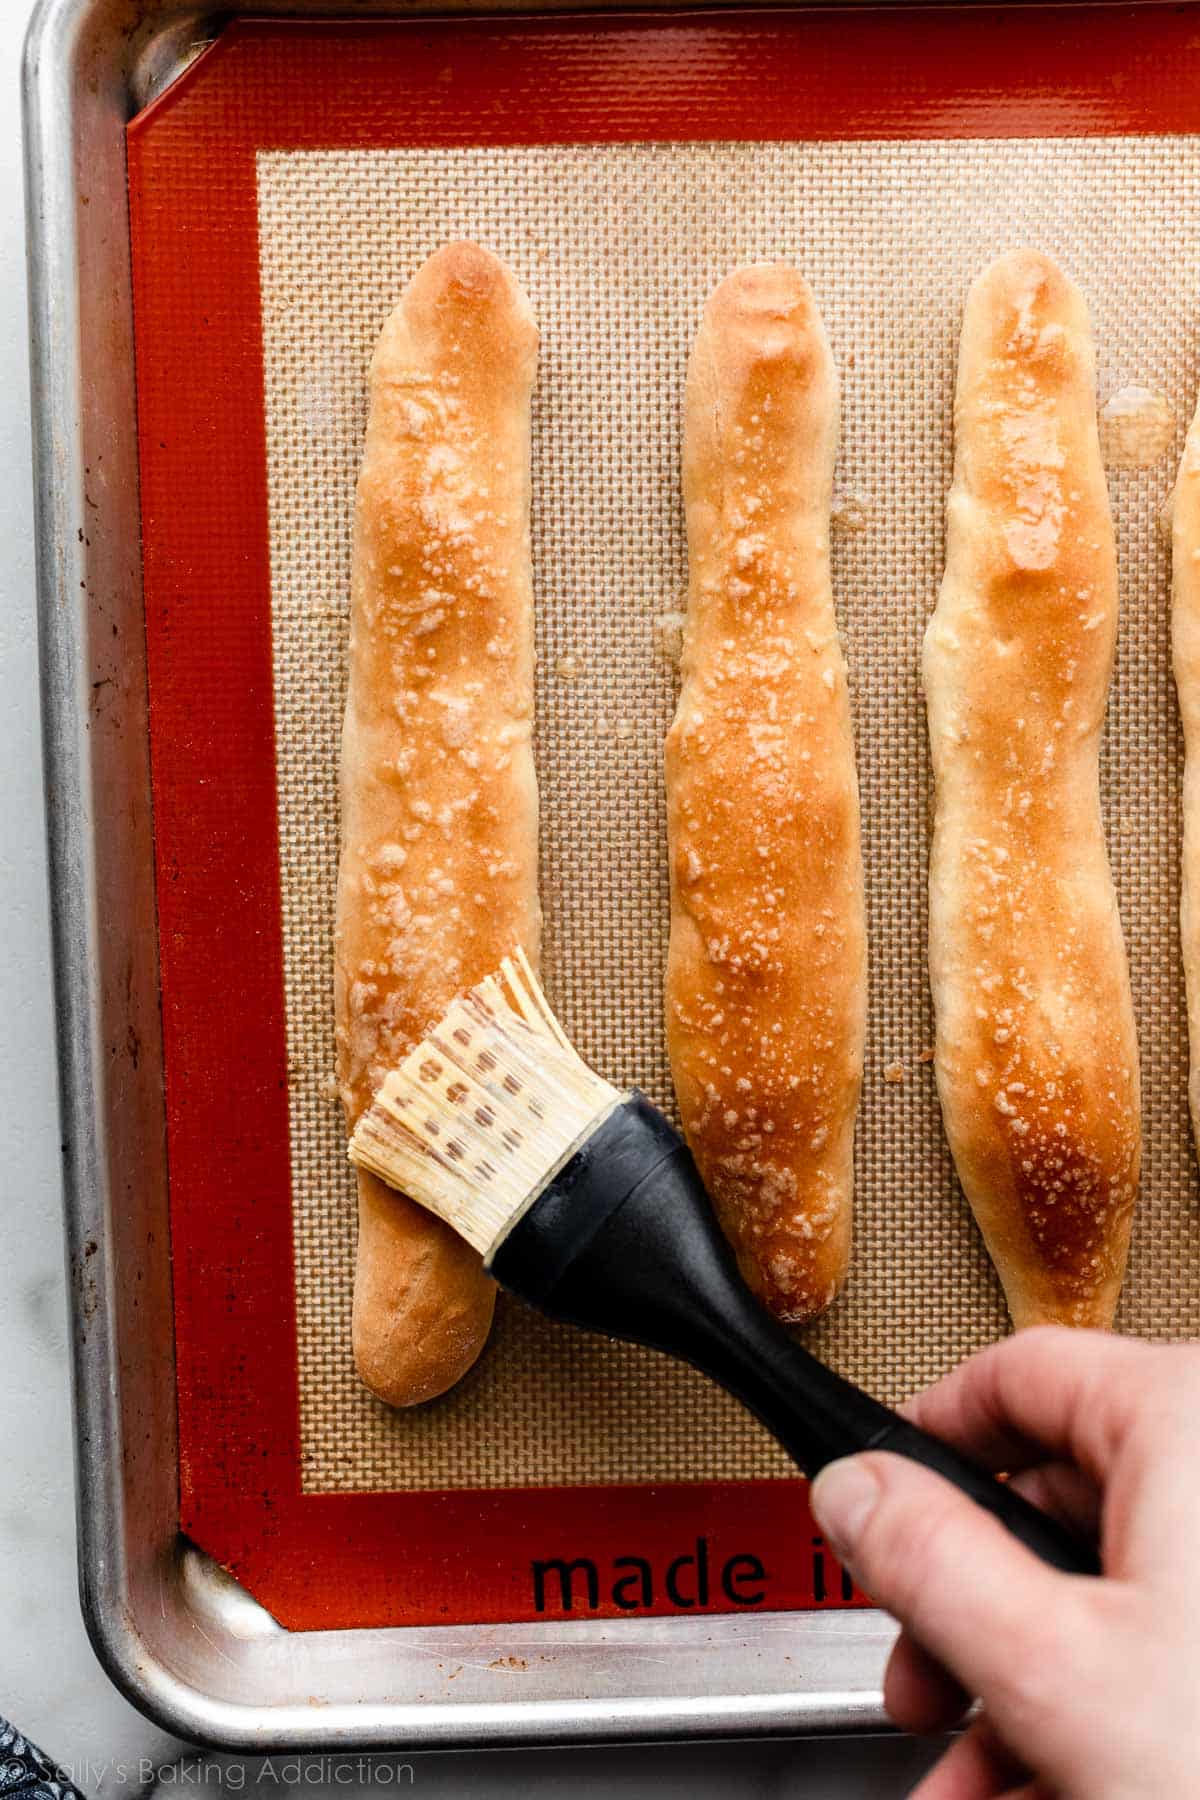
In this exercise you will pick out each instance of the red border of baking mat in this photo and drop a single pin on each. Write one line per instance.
(388, 1558)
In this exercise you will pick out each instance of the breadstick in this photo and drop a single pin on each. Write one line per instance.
(1185, 632)
(439, 804)
(766, 972)
(1037, 1064)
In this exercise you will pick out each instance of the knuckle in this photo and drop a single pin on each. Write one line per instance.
(1183, 1368)
(1038, 1341)
(1166, 1406)
(1034, 1354)
(1024, 1692)
(1014, 1362)
(1029, 1688)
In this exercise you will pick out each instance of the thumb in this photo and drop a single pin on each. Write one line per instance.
(976, 1599)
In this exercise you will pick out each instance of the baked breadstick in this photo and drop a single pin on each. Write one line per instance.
(766, 973)
(1185, 632)
(438, 877)
(1037, 1063)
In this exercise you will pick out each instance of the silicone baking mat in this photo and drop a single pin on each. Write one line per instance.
(283, 193)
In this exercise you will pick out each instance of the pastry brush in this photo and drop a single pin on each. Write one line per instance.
(585, 1202)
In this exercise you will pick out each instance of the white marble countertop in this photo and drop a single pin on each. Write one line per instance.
(51, 1686)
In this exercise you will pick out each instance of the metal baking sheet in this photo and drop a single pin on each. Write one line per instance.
(180, 1638)
(177, 1633)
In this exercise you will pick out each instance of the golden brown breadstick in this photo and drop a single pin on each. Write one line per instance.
(439, 803)
(766, 975)
(1185, 631)
(1037, 1062)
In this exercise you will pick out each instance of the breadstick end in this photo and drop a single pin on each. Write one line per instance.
(1024, 309)
(462, 287)
(766, 313)
(423, 1303)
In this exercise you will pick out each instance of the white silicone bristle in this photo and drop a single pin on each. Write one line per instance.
(482, 1113)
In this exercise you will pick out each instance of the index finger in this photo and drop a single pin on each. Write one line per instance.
(1047, 1390)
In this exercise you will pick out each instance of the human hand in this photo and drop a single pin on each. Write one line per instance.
(1090, 1688)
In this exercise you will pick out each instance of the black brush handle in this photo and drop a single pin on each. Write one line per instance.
(624, 1242)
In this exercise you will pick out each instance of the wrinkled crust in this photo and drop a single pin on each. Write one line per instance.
(437, 880)
(1036, 1053)
(766, 973)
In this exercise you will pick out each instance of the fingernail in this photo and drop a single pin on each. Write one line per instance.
(843, 1497)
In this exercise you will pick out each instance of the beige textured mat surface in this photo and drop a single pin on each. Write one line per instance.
(618, 248)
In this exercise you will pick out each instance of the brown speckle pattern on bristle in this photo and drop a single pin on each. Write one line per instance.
(541, 1099)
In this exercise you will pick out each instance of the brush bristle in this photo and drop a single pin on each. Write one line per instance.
(480, 1116)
